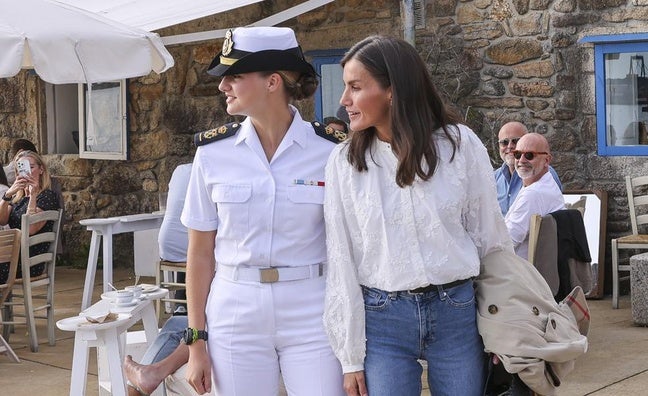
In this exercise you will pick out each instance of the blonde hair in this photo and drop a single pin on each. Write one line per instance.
(44, 180)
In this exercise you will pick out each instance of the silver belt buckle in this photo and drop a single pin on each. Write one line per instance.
(269, 275)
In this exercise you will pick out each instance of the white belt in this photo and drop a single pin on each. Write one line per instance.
(270, 274)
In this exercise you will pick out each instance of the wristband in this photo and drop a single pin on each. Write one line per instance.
(192, 335)
(6, 198)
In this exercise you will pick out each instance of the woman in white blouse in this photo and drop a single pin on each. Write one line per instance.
(410, 209)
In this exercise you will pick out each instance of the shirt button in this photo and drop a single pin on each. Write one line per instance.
(553, 324)
(536, 311)
(492, 309)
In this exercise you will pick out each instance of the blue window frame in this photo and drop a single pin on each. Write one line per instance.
(621, 77)
(330, 88)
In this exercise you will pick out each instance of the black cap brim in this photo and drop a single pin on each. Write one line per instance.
(268, 60)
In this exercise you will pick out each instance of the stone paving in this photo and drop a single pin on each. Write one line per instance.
(616, 363)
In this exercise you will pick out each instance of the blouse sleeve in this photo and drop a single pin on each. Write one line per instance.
(344, 317)
(482, 216)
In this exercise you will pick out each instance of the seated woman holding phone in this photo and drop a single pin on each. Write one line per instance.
(30, 193)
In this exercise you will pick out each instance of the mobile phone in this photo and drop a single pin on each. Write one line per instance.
(24, 167)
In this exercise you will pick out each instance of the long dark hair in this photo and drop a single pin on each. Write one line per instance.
(417, 110)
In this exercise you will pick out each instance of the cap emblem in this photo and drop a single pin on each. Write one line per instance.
(228, 44)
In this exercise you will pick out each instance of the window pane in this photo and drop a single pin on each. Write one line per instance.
(626, 91)
(332, 88)
(103, 118)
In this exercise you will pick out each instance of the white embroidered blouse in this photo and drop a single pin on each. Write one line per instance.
(391, 238)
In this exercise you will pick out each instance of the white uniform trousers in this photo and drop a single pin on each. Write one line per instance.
(258, 331)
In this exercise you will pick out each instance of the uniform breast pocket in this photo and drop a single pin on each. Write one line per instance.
(233, 203)
(306, 195)
(305, 209)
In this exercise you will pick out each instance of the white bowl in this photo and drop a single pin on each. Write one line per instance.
(122, 296)
(136, 290)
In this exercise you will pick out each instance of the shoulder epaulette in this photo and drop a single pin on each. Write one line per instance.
(212, 135)
(329, 133)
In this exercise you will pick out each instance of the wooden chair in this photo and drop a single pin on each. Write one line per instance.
(46, 279)
(637, 190)
(9, 253)
(543, 249)
(553, 239)
(165, 278)
(579, 204)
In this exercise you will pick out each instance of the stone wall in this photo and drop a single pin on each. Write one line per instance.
(521, 60)
(496, 60)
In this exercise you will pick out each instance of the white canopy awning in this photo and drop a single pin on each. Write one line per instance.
(156, 14)
(70, 41)
(65, 44)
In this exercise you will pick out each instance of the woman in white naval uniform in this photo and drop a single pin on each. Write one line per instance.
(254, 210)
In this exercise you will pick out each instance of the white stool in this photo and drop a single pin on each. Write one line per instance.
(109, 339)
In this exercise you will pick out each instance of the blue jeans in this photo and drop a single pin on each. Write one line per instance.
(438, 326)
(167, 341)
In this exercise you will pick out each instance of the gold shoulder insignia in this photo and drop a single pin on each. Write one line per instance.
(212, 135)
(329, 133)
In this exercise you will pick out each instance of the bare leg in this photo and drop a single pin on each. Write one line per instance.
(146, 378)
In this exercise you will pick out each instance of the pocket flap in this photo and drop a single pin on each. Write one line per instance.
(231, 193)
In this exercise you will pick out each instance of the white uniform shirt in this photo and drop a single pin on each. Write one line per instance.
(263, 216)
(391, 238)
(542, 197)
(173, 238)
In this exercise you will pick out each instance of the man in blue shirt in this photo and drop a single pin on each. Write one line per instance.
(506, 178)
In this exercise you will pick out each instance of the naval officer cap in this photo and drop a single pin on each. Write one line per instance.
(255, 49)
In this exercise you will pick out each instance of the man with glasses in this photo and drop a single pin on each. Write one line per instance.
(507, 180)
(539, 195)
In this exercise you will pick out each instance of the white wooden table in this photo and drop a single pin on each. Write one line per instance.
(103, 231)
(111, 338)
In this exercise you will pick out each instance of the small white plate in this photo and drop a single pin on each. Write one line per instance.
(109, 295)
(146, 288)
(126, 304)
(75, 322)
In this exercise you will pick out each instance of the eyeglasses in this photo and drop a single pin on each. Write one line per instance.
(505, 142)
(529, 155)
